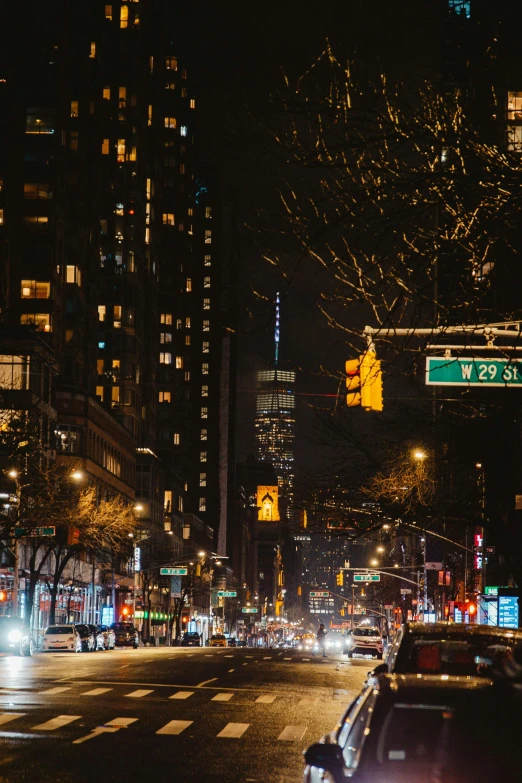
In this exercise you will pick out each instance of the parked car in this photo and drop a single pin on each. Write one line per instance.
(241, 643)
(62, 637)
(447, 648)
(108, 636)
(364, 640)
(218, 640)
(15, 636)
(190, 639)
(126, 635)
(393, 732)
(87, 637)
(231, 641)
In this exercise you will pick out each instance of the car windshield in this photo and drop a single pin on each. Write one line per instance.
(56, 630)
(410, 734)
(366, 632)
(452, 653)
(218, 636)
(127, 627)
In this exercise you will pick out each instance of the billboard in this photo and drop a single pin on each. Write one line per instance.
(267, 504)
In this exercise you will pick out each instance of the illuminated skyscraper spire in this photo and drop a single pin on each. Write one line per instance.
(276, 332)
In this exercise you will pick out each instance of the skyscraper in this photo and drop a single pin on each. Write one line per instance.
(275, 420)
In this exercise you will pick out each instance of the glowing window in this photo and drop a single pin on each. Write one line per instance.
(206, 282)
(188, 284)
(102, 312)
(34, 289)
(73, 275)
(205, 347)
(108, 12)
(164, 396)
(183, 130)
(206, 326)
(202, 504)
(165, 358)
(202, 479)
(207, 260)
(179, 362)
(170, 122)
(171, 63)
(176, 439)
(202, 456)
(206, 304)
(74, 109)
(192, 103)
(124, 16)
(105, 146)
(204, 413)
(120, 151)
(204, 369)
(204, 391)
(168, 219)
(41, 321)
(165, 337)
(166, 318)
(92, 54)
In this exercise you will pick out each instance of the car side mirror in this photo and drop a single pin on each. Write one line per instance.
(327, 756)
(382, 668)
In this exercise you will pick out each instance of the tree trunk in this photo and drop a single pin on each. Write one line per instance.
(34, 575)
(59, 569)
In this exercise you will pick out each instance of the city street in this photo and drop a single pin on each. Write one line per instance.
(178, 714)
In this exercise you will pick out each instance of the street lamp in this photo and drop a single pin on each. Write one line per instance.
(419, 455)
(77, 475)
(374, 563)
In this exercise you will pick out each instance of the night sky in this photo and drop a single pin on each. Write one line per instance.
(238, 53)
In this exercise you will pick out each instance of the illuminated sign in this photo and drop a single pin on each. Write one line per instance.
(267, 504)
(508, 611)
(137, 559)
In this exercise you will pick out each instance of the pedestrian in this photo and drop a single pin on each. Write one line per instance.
(321, 640)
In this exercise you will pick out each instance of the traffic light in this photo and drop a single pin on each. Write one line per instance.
(364, 382)
(342, 612)
(339, 579)
(185, 619)
(3, 595)
(125, 611)
(471, 608)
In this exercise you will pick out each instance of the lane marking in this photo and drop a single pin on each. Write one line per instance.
(96, 692)
(149, 660)
(244, 664)
(292, 733)
(287, 659)
(305, 659)
(233, 730)
(7, 717)
(249, 656)
(109, 728)
(181, 695)
(56, 723)
(266, 699)
(175, 727)
(205, 682)
(52, 691)
(267, 658)
(222, 697)
(228, 656)
(137, 694)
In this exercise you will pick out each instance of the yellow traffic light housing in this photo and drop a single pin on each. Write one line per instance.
(339, 579)
(364, 382)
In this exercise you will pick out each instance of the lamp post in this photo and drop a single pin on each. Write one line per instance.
(16, 476)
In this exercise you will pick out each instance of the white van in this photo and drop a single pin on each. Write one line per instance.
(62, 637)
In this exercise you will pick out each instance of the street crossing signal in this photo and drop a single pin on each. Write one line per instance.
(364, 382)
(339, 579)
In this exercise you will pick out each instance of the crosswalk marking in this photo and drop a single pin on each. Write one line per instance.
(305, 659)
(96, 692)
(228, 656)
(7, 717)
(292, 733)
(265, 699)
(56, 723)
(267, 657)
(287, 659)
(109, 728)
(222, 697)
(249, 656)
(233, 730)
(231, 670)
(175, 727)
(137, 694)
(181, 695)
(52, 691)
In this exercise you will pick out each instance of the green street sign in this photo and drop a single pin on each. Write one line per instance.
(249, 610)
(366, 577)
(319, 593)
(32, 532)
(174, 571)
(461, 371)
(227, 593)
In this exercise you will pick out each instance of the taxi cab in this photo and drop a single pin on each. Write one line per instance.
(218, 640)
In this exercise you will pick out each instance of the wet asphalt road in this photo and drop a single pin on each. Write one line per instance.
(189, 714)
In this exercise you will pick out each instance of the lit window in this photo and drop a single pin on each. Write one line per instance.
(92, 55)
(176, 438)
(203, 435)
(188, 284)
(170, 86)
(120, 152)
(204, 413)
(187, 339)
(133, 154)
(122, 97)
(164, 396)
(204, 369)
(117, 316)
(514, 137)
(149, 115)
(183, 130)
(105, 146)
(179, 323)
(101, 345)
(74, 108)
(69, 334)
(102, 311)
(39, 120)
(208, 236)
(179, 362)
(108, 12)
(168, 219)
(1, 217)
(39, 190)
(73, 275)
(192, 103)
(202, 479)
(202, 504)
(36, 220)
(206, 304)
(171, 63)
(187, 322)
(165, 358)
(208, 212)
(147, 236)
(207, 260)
(42, 321)
(165, 337)
(206, 347)
(206, 326)
(99, 393)
(170, 122)
(202, 456)
(124, 16)
(151, 64)
(187, 376)
(34, 289)
(166, 318)
(106, 94)
(206, 282)
(204, 391)
(100, 366)
(148, 188)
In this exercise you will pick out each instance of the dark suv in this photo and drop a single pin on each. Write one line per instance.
(190, 639)
(126, 635)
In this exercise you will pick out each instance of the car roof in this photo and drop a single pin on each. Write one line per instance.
(407, 683)
(471, 628)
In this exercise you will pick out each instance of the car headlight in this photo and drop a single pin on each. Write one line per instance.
(14, 636)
